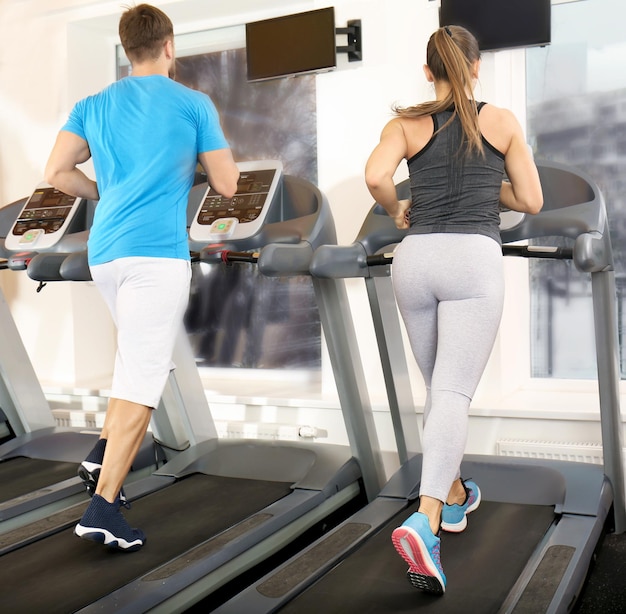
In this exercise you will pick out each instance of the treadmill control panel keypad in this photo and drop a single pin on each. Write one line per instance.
(247, 204)
(243, 215)
(43, 219)
(46, 210)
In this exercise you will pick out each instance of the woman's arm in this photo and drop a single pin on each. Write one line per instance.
(380, 168)
(523, 190)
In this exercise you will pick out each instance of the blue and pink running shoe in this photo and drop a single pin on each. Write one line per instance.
(454, 517)
(417, 545)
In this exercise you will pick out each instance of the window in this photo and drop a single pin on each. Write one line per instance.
(576, 99)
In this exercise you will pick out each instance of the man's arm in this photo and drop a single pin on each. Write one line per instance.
(221, 170)
(61, 170)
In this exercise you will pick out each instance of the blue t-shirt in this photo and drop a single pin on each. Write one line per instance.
(144, 134)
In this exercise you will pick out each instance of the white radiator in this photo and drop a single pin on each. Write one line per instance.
(78, 418)
(225, 430)
(256, 430)
(574, 451)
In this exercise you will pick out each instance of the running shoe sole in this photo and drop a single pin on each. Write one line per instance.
(102, 536)
(423, 573)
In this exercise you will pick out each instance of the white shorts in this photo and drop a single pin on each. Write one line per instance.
(147, 298)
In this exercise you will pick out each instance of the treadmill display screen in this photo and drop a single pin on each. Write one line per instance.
(246, 205)
(46, 209)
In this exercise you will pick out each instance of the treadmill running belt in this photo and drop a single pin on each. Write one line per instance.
(21, 475)
(481, 565)
(63, 573)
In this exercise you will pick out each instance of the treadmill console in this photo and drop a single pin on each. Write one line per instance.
(243, 215)
(43, 220)
(509, 219)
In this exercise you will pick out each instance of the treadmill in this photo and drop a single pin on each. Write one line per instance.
(38, 460)
(529, 546)
(218, 507)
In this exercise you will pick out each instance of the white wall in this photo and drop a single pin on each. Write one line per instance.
(56, 51)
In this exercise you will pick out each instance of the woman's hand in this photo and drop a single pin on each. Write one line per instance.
(401, 218)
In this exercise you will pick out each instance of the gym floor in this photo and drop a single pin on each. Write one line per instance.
(605, 590)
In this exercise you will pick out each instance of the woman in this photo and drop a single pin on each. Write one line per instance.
(447, 271)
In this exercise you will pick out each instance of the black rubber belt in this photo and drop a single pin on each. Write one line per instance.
(481, 564)
(19, 476)
(63, 573)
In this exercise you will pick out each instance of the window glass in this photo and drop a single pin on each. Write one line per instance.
(576, 100)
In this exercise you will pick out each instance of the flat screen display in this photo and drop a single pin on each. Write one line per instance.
(291, 45)
(500, 24)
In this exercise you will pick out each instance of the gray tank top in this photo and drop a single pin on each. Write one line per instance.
(453, 192)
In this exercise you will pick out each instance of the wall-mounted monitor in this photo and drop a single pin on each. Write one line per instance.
(500, 24)
(291, 45)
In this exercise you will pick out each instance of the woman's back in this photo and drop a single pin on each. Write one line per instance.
(454, 189)
(494, 123)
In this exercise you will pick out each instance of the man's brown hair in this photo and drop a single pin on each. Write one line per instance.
(143, 31)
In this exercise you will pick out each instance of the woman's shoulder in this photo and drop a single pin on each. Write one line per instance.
(414, 125)
(500, 115)
(418, 131)
(498, 125)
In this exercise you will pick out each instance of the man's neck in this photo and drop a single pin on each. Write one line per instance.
(149, 68)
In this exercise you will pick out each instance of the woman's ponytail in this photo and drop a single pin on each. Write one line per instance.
(450, 55)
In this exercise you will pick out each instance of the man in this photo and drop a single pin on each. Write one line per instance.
(146, 134)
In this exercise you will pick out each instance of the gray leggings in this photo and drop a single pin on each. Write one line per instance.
(450, 290)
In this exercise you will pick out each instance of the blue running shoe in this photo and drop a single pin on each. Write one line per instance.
(103, 523)
(417, 545)
(454, 517)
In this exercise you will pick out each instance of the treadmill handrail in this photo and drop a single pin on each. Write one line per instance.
(8, 215)
(573, 208)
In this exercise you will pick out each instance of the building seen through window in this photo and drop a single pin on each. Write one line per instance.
(576, 101)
